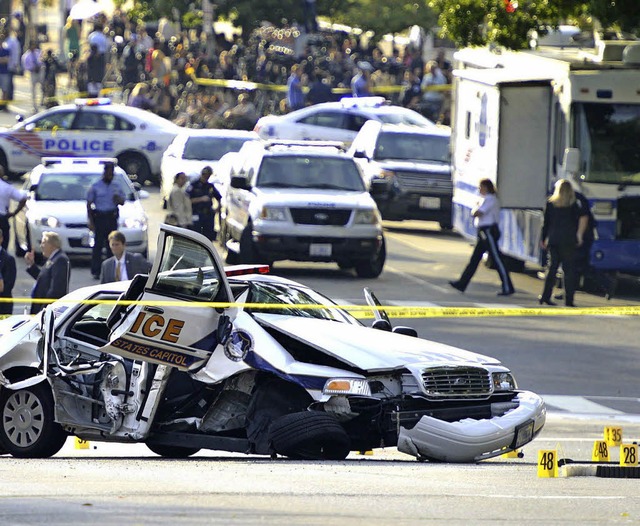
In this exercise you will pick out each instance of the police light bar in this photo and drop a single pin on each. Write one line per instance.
(241, 270)
(96, 101)
(362, 102)
(49, 161)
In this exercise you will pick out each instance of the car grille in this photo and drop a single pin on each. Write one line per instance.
(76, 225)
(320, 216)
(421, 181)
(456, 382)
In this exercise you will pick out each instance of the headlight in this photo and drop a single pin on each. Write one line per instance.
(343, 386)
(504, 382)
(49, 221)
(366, 217)
(385, 174)
(135, 223)
(273, 214)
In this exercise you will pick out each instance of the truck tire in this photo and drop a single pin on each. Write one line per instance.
(373, 267)
(309, 435)
(248, 253)
(28, 429)
(172, 451)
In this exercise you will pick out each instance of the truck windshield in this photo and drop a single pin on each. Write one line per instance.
(608, 137)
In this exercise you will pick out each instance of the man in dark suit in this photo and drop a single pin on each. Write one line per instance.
(122, 265)
(52, 280)
(7, 279)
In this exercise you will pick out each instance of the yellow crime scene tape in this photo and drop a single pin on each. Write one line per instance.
(366, 311)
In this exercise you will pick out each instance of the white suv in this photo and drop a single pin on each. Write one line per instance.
(303, 202)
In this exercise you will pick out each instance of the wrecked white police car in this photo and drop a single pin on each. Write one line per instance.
(274, 368)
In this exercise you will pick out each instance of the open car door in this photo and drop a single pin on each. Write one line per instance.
(175, 323)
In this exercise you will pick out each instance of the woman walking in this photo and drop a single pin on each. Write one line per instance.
(486, 217)
(565, 223)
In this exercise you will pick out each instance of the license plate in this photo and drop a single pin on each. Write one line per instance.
(524, 434)
(429, 202)
(320, 249)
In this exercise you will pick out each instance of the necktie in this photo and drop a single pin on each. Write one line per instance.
(118, 271)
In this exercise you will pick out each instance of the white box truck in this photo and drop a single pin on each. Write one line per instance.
(525, 119)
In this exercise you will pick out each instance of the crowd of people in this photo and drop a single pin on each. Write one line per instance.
(167, 69)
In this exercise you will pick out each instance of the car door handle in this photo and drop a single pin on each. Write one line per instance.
(155, 310)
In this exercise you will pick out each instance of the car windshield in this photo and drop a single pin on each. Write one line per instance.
(295, 301)
(412, 147)
(301, 171)
(74, 186)
(407, 117)
(210, 148)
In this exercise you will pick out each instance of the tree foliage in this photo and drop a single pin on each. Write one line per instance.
(508, 22)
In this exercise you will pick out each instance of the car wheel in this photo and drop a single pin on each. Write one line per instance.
(136, 167)
(248, 253)
(345, 264)
(373, 267)
(28, 429)
(446, 226)
(309, 435)
(172, 451)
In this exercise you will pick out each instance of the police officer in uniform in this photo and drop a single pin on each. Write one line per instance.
(202, 193)
(103, 199)
(7, 194)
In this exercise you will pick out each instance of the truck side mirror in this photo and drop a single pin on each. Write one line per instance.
(240, 182)
(360, 154)
(571, 161)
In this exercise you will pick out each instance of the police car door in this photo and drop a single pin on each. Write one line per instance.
(40, 137)
(176, 323)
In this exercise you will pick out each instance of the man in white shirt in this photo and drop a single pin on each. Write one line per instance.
(7, 194)
(122, 265)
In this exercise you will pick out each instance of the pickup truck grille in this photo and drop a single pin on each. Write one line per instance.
(320, 216)
(424, 182)
(456, 382)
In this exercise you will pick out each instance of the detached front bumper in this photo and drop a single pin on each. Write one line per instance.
(471, 440)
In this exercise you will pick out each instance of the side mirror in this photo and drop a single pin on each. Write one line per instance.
(571, 161)
(407, 331)
(19, 117)
(378, 187)
(240, 182)
(381, 325)
(360, 154)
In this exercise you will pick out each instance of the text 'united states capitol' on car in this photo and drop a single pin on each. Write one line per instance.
(90, 128)
(301, 201)
(414, 167)
(193, 149)
(276, 369)
(336, 121)
(57, 201)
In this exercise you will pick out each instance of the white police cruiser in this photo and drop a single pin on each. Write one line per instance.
(57, 190)
(336, 121)
(90, 128)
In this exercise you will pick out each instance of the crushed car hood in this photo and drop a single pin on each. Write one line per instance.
(370, 349)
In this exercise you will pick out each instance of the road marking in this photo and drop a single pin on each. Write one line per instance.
(578, 404)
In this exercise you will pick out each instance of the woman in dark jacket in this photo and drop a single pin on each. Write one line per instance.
(565, 223)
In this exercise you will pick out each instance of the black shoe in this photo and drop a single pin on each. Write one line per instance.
(559, 296)
(503, 293)
(456, 286)
(570, 304)
(543, 301)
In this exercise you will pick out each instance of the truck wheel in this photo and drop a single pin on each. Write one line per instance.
(309, 435)
(248, 253)
(28, 429)
(372, 268)
(136, 167)
(172, 451)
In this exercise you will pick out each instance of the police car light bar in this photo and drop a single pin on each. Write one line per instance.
(362, 102)
(242, 270)
(96, 101)
(49, 161)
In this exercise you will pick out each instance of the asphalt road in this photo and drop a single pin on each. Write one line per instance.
(585, 366)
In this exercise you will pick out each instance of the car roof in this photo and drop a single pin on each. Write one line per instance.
(215, 132)
(314, 148)
(73, 165)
